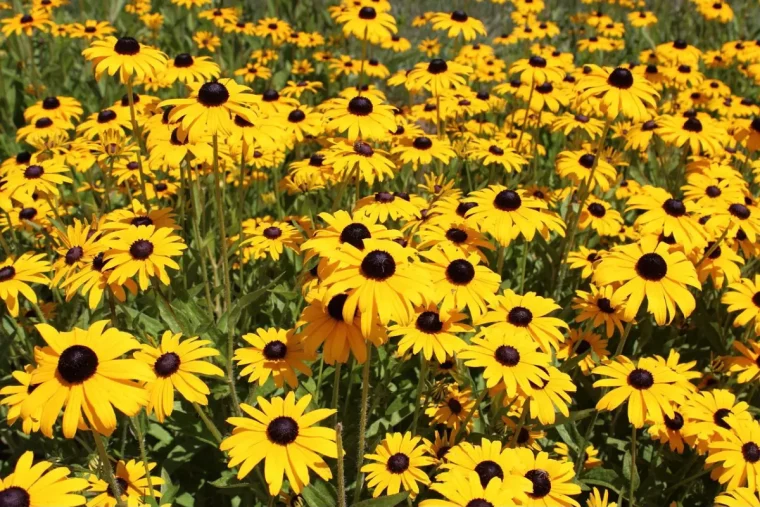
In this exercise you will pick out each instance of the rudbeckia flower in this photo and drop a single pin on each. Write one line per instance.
(664, 214)
(580, 342)
(366, 23)
(538, 70)
(145, 251)
(432, 332)
(438, 76)
(423, 150)
(380, 282)
(466, 489)
(360, 117)
(16, 395)
(126, 56)
(176, 365)
(271, 239)
(282, 434)
(274, 352)
(648, 269)
(40, 484)
(17, 274)
(458, 22)
(648, 386)
(81, 370)
(620, 92)
(552, 480)
(505, 214)
(131, 477)
(744, 296)
(397, 463)
(737, 454)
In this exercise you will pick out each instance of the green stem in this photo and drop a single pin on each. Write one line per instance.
(143, 453)
(138, 138)
(208, 423)
(623, 339)
(520, 423)
(523, 266)
(222, 229)
(633, 467)
(336, 389)
(341, 471)
(420, 387)
(363, 424)
(106, 466)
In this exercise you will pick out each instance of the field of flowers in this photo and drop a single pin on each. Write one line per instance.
(379, 253)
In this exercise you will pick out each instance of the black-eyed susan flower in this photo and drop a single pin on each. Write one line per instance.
(671, 430)
(584, 259)
(648, 269)
(126, 56)
(453, 409)
(579, 343)
(177, 365)
(746, 367)
(324, 325)
(282, 434)
(438, 76)
(380, 282)
(489, 460)
(77, 247)
(505, 214)
(601, 217)
(207, 40)
(44, 177)
(744, 296)
(620, 92)
(16, 275)
(360, 159)
(453, 231)
(465, 489)
(552, 480)
(702, 134)
(270, 239)
(513, 360)
(191, 69)
(274, 352)
(648, 386)
(132, 479)
(664, 214)
(360, 117)
(512, 314)
(596, 306)
(551, 395)
(39, 484)
(432, 332)
(26, 23)
(397, 462)
(367, 23)
(737, 453)
(458, 22)
(708, 411)
(144, 251)
(538, 70)
(488, 152)
(211, 107)
(459, 280)
(81, 369)
(64, 108)
(15, 395)
(582, 166)
(423, 150)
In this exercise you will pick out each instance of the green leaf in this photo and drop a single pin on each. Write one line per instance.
(574, 416)
(229, 319)
(384, 501)
(320, 494)
(627, 469)
(573, 362)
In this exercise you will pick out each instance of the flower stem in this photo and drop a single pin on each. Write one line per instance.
(633, 466)
(222, 229)
(208, 423)
(520, 423)
(341, 471)
(420, 387)
(362, 424)
(336, 389)
(138, 138)
(107, 470)
(623, 339)
(523, 266)
(143, 454)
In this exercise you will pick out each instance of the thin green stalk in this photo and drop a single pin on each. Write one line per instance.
(210, 426)
(222, 229)
(523, 266)
(341, 471)
(336, 389)
(582, 447)
(143, 454)
(621, 345)
(318, 389)
(138, 139)
(520, 423)
(195, 223)
(475, 407)
(420, 387)
(633, 467)
(363, 424)
(4, 245)
(106, 466)
(527, 113)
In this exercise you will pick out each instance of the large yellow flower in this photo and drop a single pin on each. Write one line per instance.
(81, 370)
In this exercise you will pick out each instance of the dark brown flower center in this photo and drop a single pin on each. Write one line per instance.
(398, 463)
(429, 322)
(520, 316)
(282, 430)
(751, 452)
(507, 200)
(674, 207)
(167, 364)
(597, 209)
(14, 497)
(127, 46)
(183, 60)
(487, 470)
(676, 423)
(360, 106)
(77, 364)
(460, 272)
(620, 78)
(640, 379)
(542, 483)
(335, 306)
(437, 66)
(378, 265)
(740, 211)
(74, 254)
(652, 266)
(33, 172)
(141, 249)
(692, 125)
(272, 232)
(213, 94)
(106, 115)
(367, 13)
(422, 143)
(454, 406)
(455, 235)
(507, 355)
(537, 61)
(7, 273)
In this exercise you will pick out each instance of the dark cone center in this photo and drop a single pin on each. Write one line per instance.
(542, 483)
(14, 497)
(296, 116)
(355, 234)
(429, 322)
(275, 350)
(213, 94)
(422, 143)
(437, 66)
(674, 207)
(676, 423)
(127, 46)
(183, 60)
(360, 106)
(652, 267)
(487, 470)
(282, 430)
(739, 211)
(398, 463)
(519, 316)
(106, 115)
(597, 210)
(141, 249)
(620, 78)
(455, 235)
(507, 355)
(751, 452)
(378, 265)
(367, 13)
(587, 160)
(167, 364)
(507, 200)
(272, 232)
(640, 379)
(33, 172)
(77, 364)
(335, 306)
(74, 254)
(460, 272)
(692, 125)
